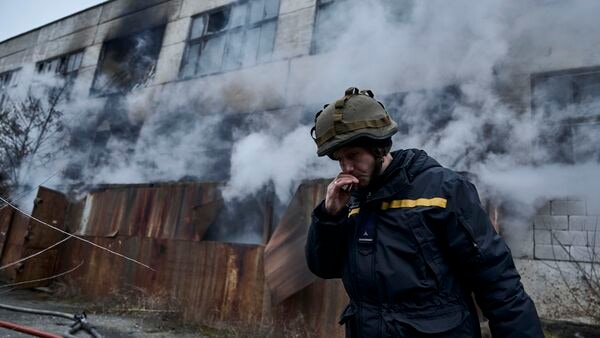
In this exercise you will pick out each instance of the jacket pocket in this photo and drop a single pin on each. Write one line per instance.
(397, 323)
(474, 250)
(348, 319)
(429, 253)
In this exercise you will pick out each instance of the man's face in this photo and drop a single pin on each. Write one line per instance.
(358, 162)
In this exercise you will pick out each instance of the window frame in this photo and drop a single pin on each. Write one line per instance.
(12, 82)
(12, 79)
(63, 60)
(197, 44)
(319, 6)
(538, 79)
(99, 89)
(563, 128)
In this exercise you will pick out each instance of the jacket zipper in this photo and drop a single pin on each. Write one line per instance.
(353, 272)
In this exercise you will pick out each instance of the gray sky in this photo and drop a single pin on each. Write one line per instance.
(19, 16)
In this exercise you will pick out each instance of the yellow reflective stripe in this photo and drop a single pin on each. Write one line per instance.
(420, 202)
(353, 211)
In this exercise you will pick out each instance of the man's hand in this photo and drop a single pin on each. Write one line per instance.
(338, 193)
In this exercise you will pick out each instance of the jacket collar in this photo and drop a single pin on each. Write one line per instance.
(405, 166)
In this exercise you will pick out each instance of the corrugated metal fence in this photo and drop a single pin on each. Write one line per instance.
(214, 283)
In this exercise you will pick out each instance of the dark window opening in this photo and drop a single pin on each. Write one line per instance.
(217, 21)
(8, 79)
(128, 63)
(235, 36)
(569, 103)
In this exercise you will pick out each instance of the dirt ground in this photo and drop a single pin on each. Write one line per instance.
(131, 325)
(156, 324)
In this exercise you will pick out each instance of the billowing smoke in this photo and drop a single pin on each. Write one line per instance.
(455, 74)
(455, 65)
(259, 159)
(46, 113)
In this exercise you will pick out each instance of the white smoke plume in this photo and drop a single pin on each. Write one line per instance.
(259, 159)
(486, 50)
(479, 47)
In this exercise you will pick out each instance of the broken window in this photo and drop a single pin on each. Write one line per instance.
(569, 103)
(235, 36)
(8, 79)
(128, 62)
(65, 65)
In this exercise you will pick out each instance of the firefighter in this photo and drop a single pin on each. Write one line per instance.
(408, 237)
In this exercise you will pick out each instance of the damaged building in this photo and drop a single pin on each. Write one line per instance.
(233, 66)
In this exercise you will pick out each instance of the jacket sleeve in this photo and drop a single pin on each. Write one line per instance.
(487, 266)
(326, 243)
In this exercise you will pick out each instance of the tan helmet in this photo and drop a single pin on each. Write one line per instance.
(354, 116)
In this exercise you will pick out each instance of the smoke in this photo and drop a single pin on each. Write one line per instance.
(462, 71)
(548, 181)
(454, 74)
(259, 159)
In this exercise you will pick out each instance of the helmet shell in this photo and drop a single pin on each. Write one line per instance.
(354, 116)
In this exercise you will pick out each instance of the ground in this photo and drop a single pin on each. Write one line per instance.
(132, 325)
(156, 324)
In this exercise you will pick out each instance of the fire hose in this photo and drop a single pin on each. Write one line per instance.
(27, 330)
(80, 323)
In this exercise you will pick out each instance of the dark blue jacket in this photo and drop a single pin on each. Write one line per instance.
(412, 250)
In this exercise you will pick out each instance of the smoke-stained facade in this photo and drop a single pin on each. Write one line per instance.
(185, 90)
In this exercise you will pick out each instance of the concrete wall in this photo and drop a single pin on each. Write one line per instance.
(563, 230)
(557, 290)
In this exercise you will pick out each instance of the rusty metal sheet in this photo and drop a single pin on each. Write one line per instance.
(73, 216)
(38, 267)
(212, 283)
(13, 247)
(6, 216)
(285, 266)
(171, 211)
(185, 211)
(316, 309)
(101, 213)
(51, 207)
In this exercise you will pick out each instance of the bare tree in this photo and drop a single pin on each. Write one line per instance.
(29, 128)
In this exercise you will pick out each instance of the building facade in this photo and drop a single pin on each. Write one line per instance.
(239, 59)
